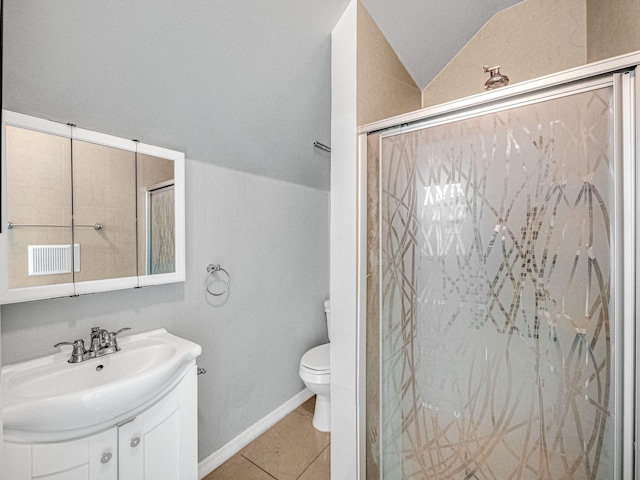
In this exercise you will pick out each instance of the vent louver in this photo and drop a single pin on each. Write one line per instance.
(52, 259)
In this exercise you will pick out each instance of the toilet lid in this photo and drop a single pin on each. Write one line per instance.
(317, 358)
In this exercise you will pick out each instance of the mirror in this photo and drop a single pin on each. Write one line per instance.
(85, 212)
(156, 206)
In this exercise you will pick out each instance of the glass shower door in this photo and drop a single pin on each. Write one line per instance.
(497, 296)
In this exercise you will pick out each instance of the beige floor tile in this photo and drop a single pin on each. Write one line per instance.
(308, 407)
(288, 448)
(320, 469)
(238, 468)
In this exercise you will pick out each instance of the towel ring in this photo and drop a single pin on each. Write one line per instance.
(211, 269)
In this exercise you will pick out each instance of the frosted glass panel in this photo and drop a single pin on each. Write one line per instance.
(162, 251)
(496, 320)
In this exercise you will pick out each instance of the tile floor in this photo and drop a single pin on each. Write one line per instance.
(290, 450)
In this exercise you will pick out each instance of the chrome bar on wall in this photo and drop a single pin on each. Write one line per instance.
(322, 146)
(95, 226)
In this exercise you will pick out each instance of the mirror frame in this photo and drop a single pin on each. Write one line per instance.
(23, 294)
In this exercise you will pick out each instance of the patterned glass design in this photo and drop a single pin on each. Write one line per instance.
(162, 249)
(497, 235)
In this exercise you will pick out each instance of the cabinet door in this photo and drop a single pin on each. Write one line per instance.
(103, 451)
(104, 192)
(148, 445)
(38, 199)
(131, 450)
(89, 458)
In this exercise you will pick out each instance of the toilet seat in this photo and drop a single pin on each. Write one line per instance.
(316, 360)
(314, 366)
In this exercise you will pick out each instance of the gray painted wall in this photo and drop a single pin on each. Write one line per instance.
(193, 76)
(216, 81)
(272, 237)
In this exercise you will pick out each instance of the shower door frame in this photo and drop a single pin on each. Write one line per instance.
(624, 74)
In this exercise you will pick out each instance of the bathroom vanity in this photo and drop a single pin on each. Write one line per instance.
(128, 415)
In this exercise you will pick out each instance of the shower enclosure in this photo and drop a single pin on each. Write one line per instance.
(506, 291)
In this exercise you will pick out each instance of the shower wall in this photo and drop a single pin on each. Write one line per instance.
(612, 28)
(536, 38)
(529, 40)
(385, 88)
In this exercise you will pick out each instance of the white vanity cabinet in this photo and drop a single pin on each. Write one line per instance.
(160, 443)
(92, 458)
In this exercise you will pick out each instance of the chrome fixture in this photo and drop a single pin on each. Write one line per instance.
(102, 343)
(322, 146)
(212, 270)
(78, 354)
(496, 79)
(95, 226)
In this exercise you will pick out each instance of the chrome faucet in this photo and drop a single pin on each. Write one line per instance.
(98, 341)
(102, 342)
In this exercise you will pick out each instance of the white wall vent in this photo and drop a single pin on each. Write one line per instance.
(52, 259)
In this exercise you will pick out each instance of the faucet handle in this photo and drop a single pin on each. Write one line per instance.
(78, 353)
(113, 343)
(77, 345)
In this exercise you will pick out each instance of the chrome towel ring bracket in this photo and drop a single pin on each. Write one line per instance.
(213, 270)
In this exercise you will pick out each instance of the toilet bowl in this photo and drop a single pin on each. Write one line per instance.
(315, 372)
(316, 375)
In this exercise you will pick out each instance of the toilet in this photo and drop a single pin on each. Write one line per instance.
(315, 372)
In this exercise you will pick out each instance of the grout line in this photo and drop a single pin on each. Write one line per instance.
(248, 460)
(312, 461)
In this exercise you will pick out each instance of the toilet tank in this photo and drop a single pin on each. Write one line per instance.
(327, 312)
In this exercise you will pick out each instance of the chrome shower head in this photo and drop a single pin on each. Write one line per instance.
(496, 79)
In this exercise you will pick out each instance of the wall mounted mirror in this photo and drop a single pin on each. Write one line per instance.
(85, 212)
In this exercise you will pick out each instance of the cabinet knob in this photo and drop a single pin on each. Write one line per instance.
(135, 441)
(106, 456)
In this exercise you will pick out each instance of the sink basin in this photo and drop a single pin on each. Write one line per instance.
(49, 399)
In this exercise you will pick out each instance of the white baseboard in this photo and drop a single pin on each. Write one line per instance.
(217, 458)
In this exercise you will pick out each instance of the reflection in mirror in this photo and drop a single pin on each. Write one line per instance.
(86, 212)
(160, 228)
(104, 194)
(39, 204)
(156, 215)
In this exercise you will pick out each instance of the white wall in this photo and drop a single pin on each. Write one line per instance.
(272, 237)
(344, 454)
(1, 424)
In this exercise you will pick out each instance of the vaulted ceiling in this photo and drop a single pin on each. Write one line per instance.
(244, 85)
(426, 34)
